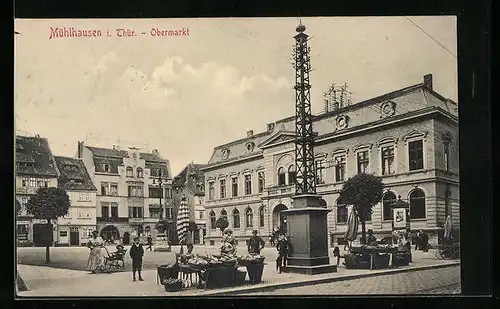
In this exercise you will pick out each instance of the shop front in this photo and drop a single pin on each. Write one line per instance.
(24, 234)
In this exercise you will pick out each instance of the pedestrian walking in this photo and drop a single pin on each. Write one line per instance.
(418, 240)
(255, 244)
(336, 253)
(136, 253)
(150, 243)
(424, 241)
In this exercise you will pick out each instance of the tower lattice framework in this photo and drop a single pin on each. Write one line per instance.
(304, 140)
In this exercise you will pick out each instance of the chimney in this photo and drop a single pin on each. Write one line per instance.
(80, 150)
(155, 152)
(250, 133)
(428, 81)
(114, 147)
(270, 127)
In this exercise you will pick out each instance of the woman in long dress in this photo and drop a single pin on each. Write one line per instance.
(96, 257)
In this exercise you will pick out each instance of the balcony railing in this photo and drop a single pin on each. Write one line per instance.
(281, 190)
(135, 220)
(112, 219)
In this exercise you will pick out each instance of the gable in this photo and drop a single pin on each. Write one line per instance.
(279, 138)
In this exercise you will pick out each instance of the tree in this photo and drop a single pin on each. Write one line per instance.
(18, 207)
(162, 225)
(221, 223)
(363, 191)
(48, 204)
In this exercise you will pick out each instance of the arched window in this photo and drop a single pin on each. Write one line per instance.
(261, 216)
(281, 176)
(212, 220)
(291, 174)
(342, 212)
(130, 171)
(417, 204)
(236, 218)
(139, 172)
(249, 217)
(223, 214)
(387, 200)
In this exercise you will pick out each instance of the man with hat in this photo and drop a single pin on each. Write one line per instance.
(255, 244)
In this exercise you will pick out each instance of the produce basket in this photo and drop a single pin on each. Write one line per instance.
(239, 277)
(172, 285)
(255, 272)
(167, 272)
(381, 261)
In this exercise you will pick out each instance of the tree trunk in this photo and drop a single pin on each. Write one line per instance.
(47, 255)
(47, 246)
(363, 231)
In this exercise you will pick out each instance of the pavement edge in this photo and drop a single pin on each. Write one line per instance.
(311, 281)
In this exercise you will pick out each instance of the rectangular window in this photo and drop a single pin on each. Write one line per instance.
(114, 210)
(168, 192)
(105, 210)
(39, 183)
(25, 181)
(169, 213)
(83, 197)
(113, 189)
(211, 190)
(135, 212)
(446, 155)
(135, 191)
(248, 184)
(235, 186)
(104, 188)
(201, 214)
(63, 233)
(46, 183)
(155, 192)
(388, 160)
(363, 162)
(416, 155)
(105, 168)
(261, 181)
(222, 188)
(32, 182)
(320, 176)
(340, 168)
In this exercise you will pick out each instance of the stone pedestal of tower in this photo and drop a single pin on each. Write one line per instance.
(307, 228)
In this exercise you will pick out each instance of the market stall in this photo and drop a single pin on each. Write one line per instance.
(371, 257)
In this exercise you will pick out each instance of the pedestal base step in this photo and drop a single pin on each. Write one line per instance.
(310, 270)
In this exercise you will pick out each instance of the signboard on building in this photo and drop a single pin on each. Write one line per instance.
(40, 221)
(399, 215)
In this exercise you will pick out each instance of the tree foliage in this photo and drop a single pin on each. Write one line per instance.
(49, 203)
(221, 223)
(363, 191)
(18, 206)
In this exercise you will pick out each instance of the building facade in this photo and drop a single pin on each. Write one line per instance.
(35, 168)
(408, 137)
(76, 227)
(190, 183)
(133, 188)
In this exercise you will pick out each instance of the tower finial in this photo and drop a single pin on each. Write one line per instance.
(300, 27)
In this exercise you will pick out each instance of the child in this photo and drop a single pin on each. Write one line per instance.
(136, 253)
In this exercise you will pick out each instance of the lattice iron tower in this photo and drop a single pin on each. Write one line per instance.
(304, 135)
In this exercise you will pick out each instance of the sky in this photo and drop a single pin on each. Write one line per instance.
(185, 95)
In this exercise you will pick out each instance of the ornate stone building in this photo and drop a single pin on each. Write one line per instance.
(128, 190)
(409, 137)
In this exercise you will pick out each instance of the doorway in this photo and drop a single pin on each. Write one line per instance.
(74, 236)
(110, 233)
(279, 218)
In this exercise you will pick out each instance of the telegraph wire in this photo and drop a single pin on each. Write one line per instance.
(435, 40)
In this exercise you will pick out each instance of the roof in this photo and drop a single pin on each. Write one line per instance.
(73, 174)
(184, 178)
(119, 154)
(238, 149)
(34, 157)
